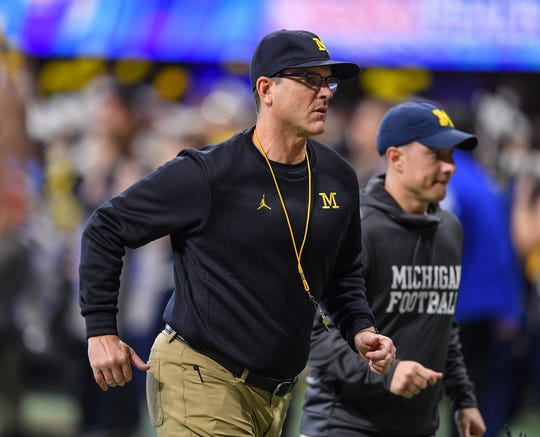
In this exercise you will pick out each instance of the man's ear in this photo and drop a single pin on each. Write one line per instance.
(263, 86)
(394, 156)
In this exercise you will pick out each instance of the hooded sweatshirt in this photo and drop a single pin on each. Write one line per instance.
(412, 267)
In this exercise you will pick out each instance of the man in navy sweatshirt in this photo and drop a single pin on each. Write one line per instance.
(265, 234)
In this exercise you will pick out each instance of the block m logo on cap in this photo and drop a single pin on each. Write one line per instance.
(444, 119)
(320, 45)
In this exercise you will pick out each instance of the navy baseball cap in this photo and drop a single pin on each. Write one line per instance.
(295, 49)
(423, 122)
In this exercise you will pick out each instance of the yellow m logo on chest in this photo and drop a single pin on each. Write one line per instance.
(329, 201)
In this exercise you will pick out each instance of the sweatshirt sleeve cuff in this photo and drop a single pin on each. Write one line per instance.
(100, 324)
(356, 327)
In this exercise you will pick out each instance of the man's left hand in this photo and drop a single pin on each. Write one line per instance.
(377, 349)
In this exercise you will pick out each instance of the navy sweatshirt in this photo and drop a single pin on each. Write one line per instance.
(412, 268)
(237, 288)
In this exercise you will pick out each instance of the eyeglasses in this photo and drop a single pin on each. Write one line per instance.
(314, 80)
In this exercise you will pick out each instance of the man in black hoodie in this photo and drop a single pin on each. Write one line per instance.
(411, 264)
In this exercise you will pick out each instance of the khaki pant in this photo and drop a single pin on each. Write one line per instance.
(190, 394)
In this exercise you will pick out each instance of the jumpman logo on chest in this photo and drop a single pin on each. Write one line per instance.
(263, 203)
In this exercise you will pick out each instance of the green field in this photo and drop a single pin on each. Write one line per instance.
(54, 415)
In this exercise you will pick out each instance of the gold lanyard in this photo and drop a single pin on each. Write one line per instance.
(298, 253)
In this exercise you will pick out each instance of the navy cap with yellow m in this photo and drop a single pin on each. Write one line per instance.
(424, 122)
(295, 49)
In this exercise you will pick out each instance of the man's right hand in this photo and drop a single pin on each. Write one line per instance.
(410, 377)
(111, 359)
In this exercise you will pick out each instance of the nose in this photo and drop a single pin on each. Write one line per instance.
(449, 167)
(325, 91)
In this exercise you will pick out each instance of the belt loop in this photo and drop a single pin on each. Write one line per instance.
(171, 333)
(242, 378)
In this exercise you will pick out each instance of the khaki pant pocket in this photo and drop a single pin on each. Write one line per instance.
(153, 394)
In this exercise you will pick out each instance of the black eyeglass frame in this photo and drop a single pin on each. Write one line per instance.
(314, 80)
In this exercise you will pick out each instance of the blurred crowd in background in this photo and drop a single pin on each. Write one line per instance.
(69, 141)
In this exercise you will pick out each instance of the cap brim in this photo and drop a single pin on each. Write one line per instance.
(341, 70)
(448, 138)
